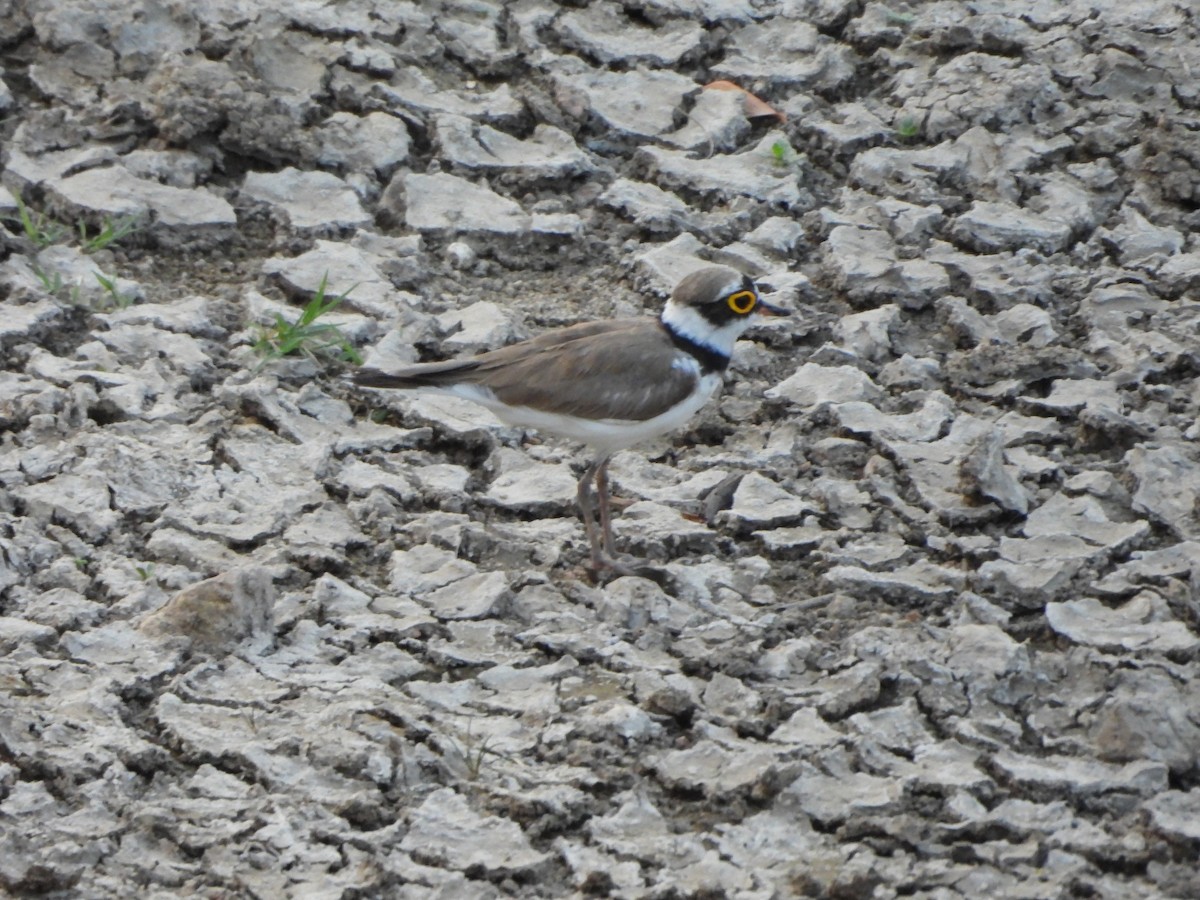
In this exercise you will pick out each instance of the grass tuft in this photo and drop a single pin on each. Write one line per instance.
(306, 335)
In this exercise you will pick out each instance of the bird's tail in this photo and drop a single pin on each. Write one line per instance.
(438, 374)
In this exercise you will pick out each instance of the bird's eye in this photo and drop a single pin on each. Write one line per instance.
(742, 302)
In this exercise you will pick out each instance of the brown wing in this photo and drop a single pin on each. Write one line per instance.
(467, 370)
(597, 370)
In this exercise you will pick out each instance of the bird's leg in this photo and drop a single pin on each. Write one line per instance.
(605, 509)
(604, 554)
(587, 509)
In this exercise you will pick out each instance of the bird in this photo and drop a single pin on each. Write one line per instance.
(609, 384)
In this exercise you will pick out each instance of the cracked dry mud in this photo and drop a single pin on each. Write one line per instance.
(930, 625)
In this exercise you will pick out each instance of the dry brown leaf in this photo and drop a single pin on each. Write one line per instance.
(754, 107)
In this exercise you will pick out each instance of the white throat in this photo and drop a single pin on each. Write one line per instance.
(687, 322)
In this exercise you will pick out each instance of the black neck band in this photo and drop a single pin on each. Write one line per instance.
(710, 360)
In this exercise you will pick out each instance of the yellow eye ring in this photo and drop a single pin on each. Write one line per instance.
(742, 302)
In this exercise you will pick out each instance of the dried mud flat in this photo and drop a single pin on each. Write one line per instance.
(929, 622)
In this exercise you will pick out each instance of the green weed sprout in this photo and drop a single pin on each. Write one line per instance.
(110, 231)
(38, 227)
(306, 335)
(908, 127)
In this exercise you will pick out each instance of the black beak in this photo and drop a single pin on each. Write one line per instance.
(766, 309)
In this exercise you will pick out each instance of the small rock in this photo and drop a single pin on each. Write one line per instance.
(529, 486)
(444, 202)
(648, 205)
(638, 103)
(1081, 777)
(831, 799)
(921, 582)
(548, 153)
(311, 200)
(1166, 487)
(759, 502)
(716, 123)
(445, 831)
(472, 597)
(481, 326)
(752, 173)
(605, 33)
(375, 142)
(114, 192)
(216, 615)
(813, 385)
(1144, 623)
(989, 227)
(1176, 813)
(785, 52)
(806, 729)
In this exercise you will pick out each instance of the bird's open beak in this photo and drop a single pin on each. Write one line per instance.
(767, 309)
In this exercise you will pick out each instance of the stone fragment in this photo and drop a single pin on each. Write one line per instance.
(376, 142)
(868, 334)
(1168, 486)
(311, 201)
(920, 426)
(344, 269)
(1152, 566)
(481, 326)
(80, 501)
(1070, 395)
(472, 597)
(1083, 517)
(777, 235)
(806, 729)
(785, 52)
(444, 831)
(529, 486)
(912, 175)
(921, 582)
(789, 542)
(1148, 714)
(426, 568)
(1081, 777)
(115, 192)
(898, 728)
(1176, 813)
(984, 466)
(604, 32)
(716, 123)
(664, 265)
(753, 173)
(216, 615)
(831, 799)
(648, 205)
(1143, 624)
(759, 502)
(813, 385)
(548, 153)
(850, 127)
(411, 89)
(717, 771)
(730, 698)
(950, 473)
(444, 202)
(645, 524)
(636, 104)
(989, 227)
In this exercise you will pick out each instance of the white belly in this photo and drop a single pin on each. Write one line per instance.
(606, 435)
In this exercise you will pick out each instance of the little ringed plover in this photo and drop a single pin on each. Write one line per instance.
(609, 384)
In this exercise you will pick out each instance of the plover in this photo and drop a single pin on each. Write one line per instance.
(609, 384)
